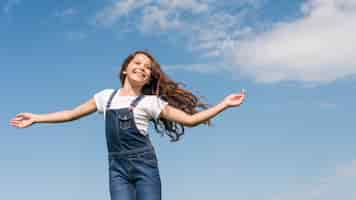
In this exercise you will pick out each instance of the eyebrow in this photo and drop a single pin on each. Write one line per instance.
(146, 65)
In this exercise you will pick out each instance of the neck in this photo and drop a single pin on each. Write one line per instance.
(130, 90)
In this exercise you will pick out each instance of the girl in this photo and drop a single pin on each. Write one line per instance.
(147, 94)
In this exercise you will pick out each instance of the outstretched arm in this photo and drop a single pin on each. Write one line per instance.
(23, 120)
(186, 119)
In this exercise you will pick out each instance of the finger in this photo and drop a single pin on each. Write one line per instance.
(14, 124)
(21, 115)
(241, 94)
(238, 96)
(18, 125)
(15, 120)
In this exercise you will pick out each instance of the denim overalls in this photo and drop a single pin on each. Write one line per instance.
(133, 167)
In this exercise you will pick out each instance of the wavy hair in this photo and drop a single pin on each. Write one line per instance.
(172, 92)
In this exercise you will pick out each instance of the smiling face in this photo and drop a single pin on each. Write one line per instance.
(138, 71)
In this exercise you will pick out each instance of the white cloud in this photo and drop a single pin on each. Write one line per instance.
(320, 47)
(317, 47)
(339, 185)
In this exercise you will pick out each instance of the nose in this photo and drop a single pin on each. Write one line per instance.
(141, 68)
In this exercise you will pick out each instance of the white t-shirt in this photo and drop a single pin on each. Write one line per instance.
(148, 108)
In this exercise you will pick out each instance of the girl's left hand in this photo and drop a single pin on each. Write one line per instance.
(234, 100)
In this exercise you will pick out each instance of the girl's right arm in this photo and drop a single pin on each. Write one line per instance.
(23, 120)
(173, 114)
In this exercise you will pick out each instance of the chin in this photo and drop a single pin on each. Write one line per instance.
(138, 82)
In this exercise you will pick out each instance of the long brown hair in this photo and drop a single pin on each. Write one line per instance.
(167, 89)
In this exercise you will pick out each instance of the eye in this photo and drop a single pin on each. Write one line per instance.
(148, 67)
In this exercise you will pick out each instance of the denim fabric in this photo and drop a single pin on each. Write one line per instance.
(134, 176)
(133, 165)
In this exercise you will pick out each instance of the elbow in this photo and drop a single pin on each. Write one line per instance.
(190, 125)
(191, 122)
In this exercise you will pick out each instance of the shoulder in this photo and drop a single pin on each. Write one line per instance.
(153, 98)
(107, 91)
(101, 98)
(104, 93)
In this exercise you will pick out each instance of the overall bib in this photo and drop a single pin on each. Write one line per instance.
(133, 167)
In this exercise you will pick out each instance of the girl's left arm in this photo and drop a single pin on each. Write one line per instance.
(179, 116)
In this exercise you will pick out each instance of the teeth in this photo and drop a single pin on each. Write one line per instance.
(140, 73)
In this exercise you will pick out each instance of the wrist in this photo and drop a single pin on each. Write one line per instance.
(36, 118)
(224, 105)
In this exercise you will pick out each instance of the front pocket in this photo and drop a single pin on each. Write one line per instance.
(125, 120)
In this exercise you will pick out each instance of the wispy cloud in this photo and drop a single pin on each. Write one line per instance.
(203, 23)
(9, 5)
(202, 68)
(111, 13)
(339, 185)
(66, 12)
(317, 47)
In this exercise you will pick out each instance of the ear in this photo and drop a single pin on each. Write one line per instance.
(124, 72)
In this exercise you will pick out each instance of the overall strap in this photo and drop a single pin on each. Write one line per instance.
(110, 99)
(136, 101)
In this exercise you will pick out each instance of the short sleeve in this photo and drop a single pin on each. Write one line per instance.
(101, 99)
(156, 106)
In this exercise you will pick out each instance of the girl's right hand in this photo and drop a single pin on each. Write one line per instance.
(23, 120)
(234, 100)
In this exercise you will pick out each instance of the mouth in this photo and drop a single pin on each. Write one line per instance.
(139, 73)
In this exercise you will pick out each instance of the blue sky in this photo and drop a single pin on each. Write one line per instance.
(292, 139)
